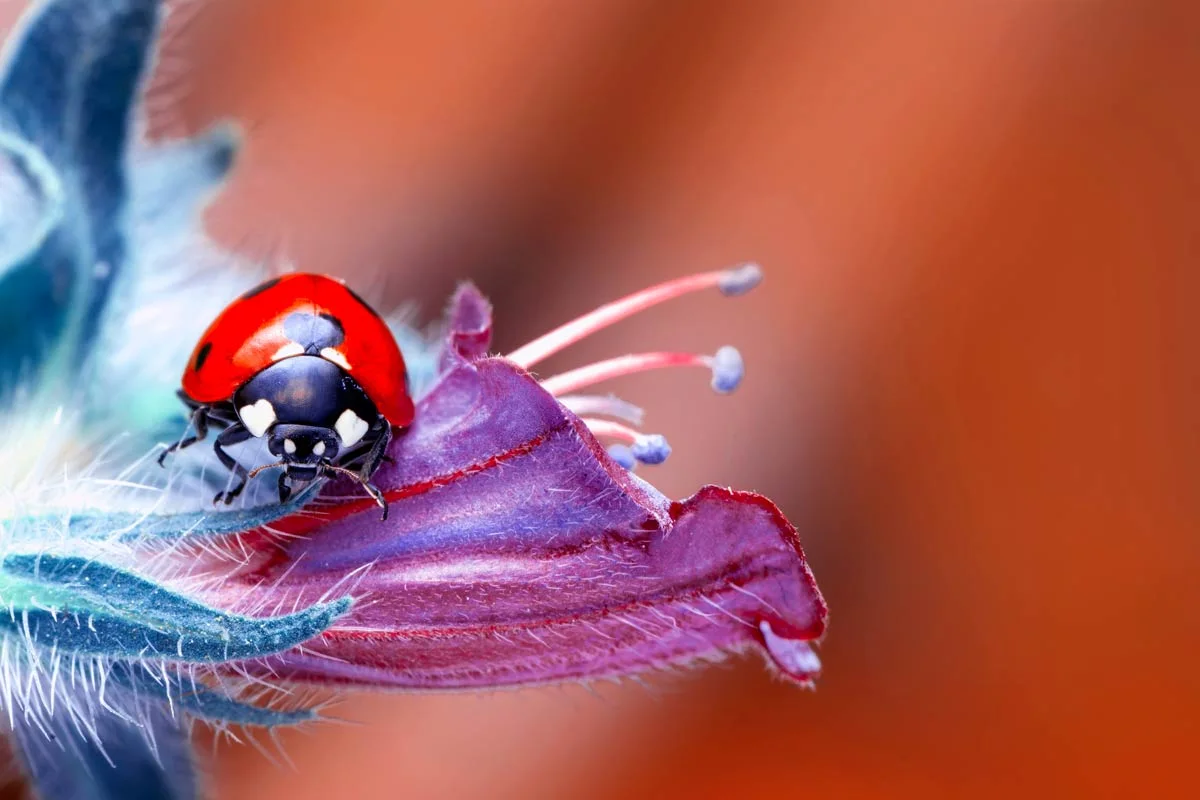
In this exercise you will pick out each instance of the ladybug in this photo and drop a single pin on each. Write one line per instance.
(304, 362)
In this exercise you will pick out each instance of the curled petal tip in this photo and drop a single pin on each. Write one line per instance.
(651, 449)
(728, 369)
(795, 657)
(740, 279)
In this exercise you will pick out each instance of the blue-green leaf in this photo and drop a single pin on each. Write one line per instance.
(85, 606)
(201, 701)
(130, 527)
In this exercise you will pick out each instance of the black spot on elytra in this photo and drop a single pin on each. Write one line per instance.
(262, 287)
(202, 355)
(314, 331)
(362, 302)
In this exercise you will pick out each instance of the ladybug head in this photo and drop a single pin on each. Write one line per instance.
(303, 448)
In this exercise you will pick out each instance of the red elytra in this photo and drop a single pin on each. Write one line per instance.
(249, 336)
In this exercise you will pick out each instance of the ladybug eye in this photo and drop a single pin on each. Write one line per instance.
(289, 446)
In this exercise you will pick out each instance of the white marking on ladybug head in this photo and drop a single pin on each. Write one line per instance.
(288, 350)
(351, 428)
(258, 417)
(319, 449)
(289, 446)
(329, 354)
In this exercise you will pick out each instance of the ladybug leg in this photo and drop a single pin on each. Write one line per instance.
(371, 462)
(368, 454)
(232, 435)
(378, 497)
(285, 491)
(332, 471)
(378, 451)
(200, 423)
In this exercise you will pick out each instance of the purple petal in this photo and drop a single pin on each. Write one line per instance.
(518, 551)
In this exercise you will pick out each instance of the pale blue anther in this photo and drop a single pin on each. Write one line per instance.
(740, 279)
(651, 449)
(727, 370)
(623, 455)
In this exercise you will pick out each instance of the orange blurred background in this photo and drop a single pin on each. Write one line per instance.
(973, 371)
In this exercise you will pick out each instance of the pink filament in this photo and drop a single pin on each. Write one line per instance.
(587, 405)
(622, 365)
(602, 317)
(612, 430)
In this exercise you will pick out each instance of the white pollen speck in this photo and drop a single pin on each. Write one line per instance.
(329, 354)
(289, 446)
(350, 428)
(288, 350)
(258, 417)
(319, 449)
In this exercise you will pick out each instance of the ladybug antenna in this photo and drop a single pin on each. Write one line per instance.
(254, 472)
(376, 495)
(329, 469)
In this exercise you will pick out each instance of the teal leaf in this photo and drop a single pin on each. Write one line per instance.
(132, 527)
(199, 700)
(81, 605)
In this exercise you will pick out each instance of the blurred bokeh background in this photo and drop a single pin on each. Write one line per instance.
(973, 371)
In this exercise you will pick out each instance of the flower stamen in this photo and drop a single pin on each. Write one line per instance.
(731, 282)
(726, 365)
(586, 405)
(648, 448)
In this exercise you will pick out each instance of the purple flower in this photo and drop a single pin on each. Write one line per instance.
(518, 550)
